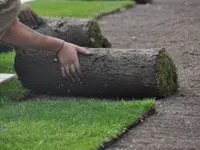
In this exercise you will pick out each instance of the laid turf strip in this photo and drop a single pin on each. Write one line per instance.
(6, 62)
(83, 124)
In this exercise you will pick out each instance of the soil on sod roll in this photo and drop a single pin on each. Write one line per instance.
(122, 73)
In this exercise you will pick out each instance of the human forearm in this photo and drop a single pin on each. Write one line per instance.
(20, 35)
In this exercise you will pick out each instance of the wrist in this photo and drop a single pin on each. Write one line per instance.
(60, 48)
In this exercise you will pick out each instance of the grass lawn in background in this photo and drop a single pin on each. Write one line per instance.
(55, 123)
(78, 9)
(6, 62)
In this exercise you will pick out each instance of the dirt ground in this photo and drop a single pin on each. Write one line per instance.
(175, 25)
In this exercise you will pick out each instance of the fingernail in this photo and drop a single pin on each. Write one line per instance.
(89, 53)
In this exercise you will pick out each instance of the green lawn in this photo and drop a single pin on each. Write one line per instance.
(54, 123)
(79, 9)
(66, 125)
(6, 62)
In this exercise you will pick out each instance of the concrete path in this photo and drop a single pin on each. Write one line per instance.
(4, 77)
(175, 25)
(25, 1)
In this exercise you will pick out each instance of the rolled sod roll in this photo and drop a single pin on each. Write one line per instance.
(107, 73)
(82, 32)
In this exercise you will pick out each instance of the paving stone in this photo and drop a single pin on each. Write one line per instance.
(5, 77)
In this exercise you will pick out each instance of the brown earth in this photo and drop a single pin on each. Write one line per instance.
(175, 25)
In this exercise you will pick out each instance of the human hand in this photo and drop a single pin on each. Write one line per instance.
(69, 62)
(28, 17)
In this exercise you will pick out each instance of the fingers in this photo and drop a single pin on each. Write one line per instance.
(70, 61)
(78, 68)
(63, 72)
(70, 76)
(82, 50)
(72, 72)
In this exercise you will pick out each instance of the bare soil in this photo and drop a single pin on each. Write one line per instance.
(175, 25)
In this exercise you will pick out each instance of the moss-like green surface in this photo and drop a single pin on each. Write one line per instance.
(97, 38)
(167, 77)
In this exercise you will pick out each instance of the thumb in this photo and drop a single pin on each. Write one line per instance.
(83, 50)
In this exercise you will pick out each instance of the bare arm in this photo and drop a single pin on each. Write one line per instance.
(20, 35)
